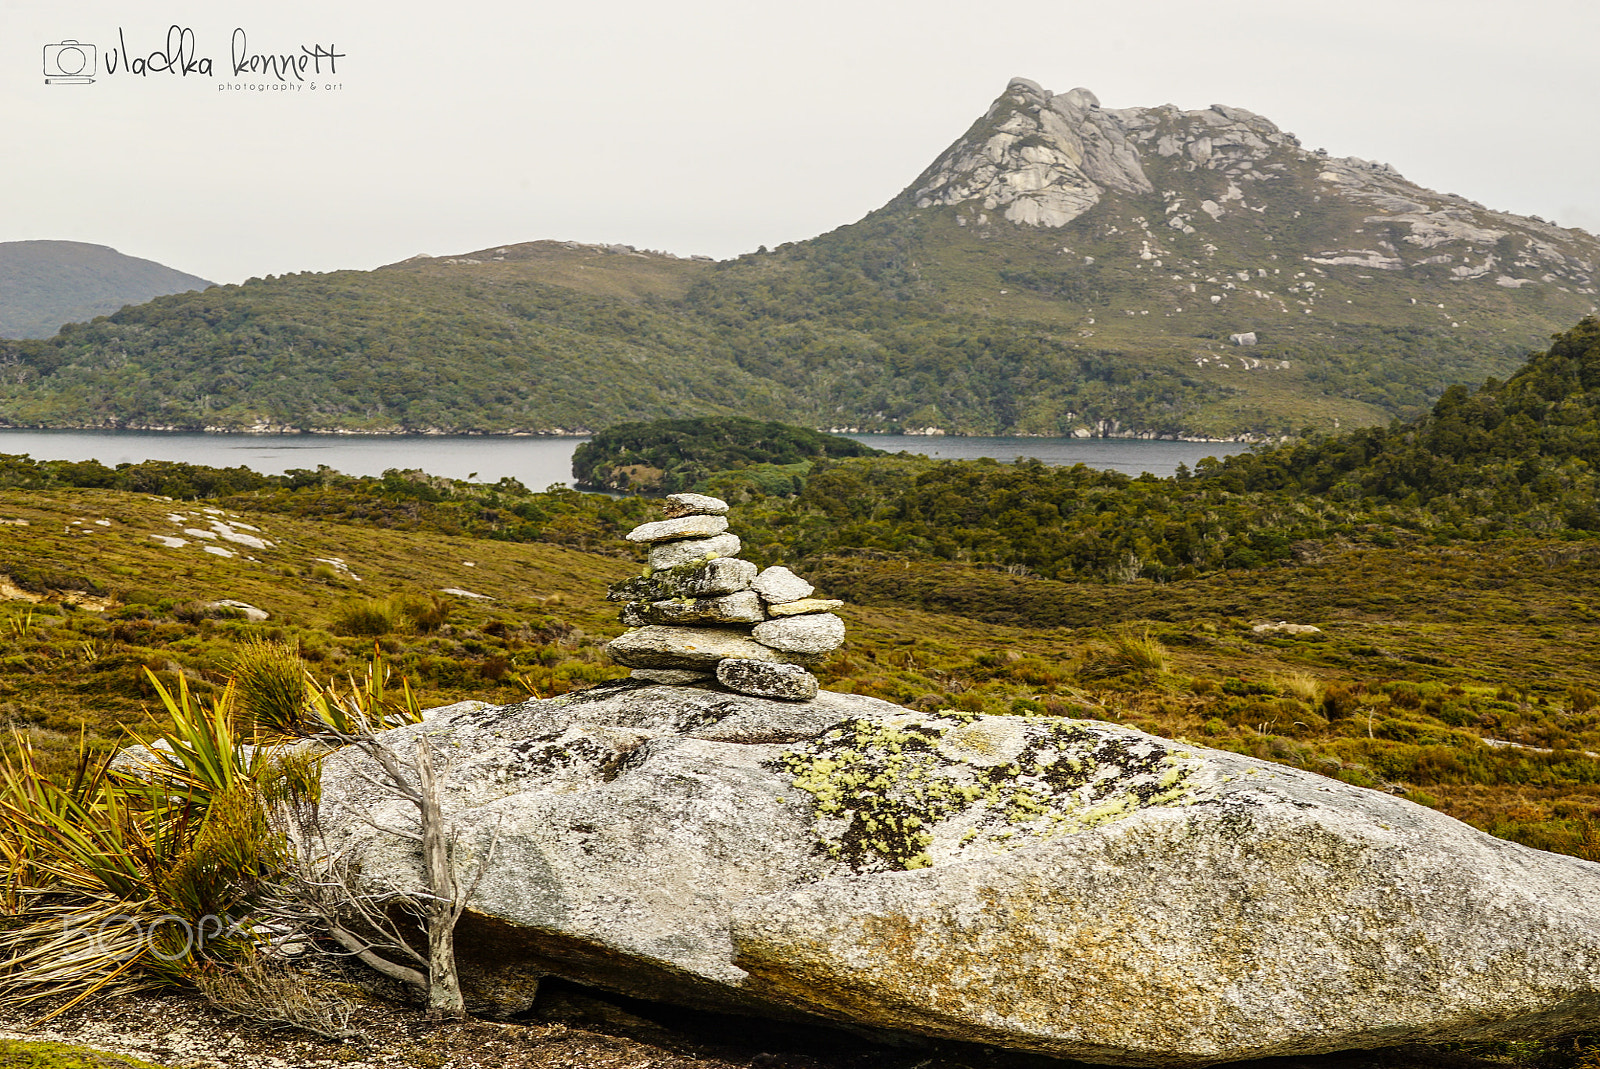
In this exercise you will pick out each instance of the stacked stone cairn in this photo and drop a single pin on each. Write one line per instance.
(699, 611)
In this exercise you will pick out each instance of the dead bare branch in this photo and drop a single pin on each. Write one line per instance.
(322, 890)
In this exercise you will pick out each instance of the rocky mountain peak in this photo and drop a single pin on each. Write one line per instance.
(1040, 158)
(1043, 159)
(1081, 99)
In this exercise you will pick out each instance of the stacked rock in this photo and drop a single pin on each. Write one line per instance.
(698, 610)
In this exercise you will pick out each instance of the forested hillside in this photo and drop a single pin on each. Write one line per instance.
(1209, 278)
(1520, 454)
(1514, 458)
(385, 350)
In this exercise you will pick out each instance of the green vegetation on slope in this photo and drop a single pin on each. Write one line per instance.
(405, 500)
(826, 337)
(1531, 472)
(44, 284)
(1515, 459)
(850, 323)
(897, 321)
(666, 456)
(1519, 454)
(92, 605)
(1422, 653)
(386, 351)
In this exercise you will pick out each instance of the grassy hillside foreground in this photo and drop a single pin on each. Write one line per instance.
(1462, 676)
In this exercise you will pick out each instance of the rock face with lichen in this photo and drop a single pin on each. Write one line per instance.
(1068, 887)
(912, 791)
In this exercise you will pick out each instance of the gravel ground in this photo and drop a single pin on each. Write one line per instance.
(570, 1028)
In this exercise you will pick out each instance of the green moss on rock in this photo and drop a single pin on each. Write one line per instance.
(20, 1054)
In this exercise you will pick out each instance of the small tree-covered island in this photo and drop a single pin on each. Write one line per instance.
(788, 751)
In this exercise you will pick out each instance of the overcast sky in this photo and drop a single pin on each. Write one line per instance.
(702, 126)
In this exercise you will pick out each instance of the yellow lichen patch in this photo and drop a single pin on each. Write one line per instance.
(914, 791)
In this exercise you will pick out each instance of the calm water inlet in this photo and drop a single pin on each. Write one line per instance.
(537, 462)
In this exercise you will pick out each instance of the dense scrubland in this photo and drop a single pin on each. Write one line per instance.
(1448, 566)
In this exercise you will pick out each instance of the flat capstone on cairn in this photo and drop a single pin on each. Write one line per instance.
(699, 612)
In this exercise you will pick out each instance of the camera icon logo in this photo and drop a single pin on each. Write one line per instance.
(69, 63)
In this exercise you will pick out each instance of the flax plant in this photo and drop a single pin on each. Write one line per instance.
(130, 871)
(144, 868)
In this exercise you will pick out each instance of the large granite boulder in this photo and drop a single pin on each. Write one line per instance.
(1068, 887)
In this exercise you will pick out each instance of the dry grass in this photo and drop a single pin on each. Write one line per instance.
(1301, 685)
(1128, 652)
(277, 997)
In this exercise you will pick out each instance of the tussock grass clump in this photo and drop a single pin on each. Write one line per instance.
(271, 685)
(1127, 653)
(428, 616)
(119, 877)
(369, 617)
(126, 875)
(1302, 685)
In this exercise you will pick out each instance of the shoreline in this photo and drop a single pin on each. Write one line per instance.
(293, 432)
(563, 433)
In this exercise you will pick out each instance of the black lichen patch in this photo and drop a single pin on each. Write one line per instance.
(681, 580)
(600, 692)
(585, 755)
(636, 588)
(867, 773)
